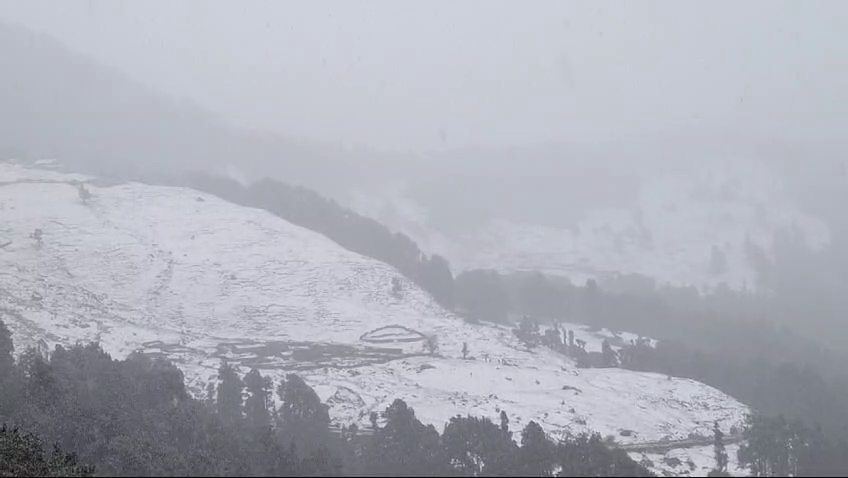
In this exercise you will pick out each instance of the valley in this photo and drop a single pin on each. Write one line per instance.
(666, 233)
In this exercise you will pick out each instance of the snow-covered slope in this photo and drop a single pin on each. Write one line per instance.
(695, 461)
(668, 233)
(175, 272)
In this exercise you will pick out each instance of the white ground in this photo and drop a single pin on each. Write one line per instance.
(696, 461)
(182, 273)
(667, 234)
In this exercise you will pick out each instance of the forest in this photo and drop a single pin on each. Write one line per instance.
(78, 412)
(737, 342)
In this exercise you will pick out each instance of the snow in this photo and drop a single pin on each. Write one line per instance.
(176, 272)
(667, 233)
(695, 461)
(594, 338)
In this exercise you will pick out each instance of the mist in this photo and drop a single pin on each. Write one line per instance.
(423, 238)
(423, 76)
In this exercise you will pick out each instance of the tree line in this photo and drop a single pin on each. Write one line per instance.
(632, 303)
(727, 339)
(306, 208)
(78, 412)
(734, 324)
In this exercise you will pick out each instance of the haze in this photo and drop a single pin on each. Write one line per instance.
(417, 76)
(399, 238)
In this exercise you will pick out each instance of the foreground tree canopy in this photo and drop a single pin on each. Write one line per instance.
(135, 417)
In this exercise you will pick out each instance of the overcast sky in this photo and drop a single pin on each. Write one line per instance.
(418, 75)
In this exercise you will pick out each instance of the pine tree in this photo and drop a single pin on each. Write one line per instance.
(209, 400)
(256, 405)
(609, 356)
(477, 447)
(537, 454)
(304, 419)
(230, 391)
(372, 418)
(504, 423)
(773, 446)
(720, 452)
(8, 382)
(405, 446)
(22, 454)
(7, 347)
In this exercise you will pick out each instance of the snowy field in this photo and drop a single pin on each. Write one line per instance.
(667, 234)
(695, 461)
(183, 274)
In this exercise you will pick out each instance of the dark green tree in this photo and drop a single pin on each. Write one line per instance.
(609, 356)
(303, 420)
(477, 447)
(22, 454)
(256, 407)
(405, 446)
(537, 455)
(504, 418)
(720, 452)
(7, 349)
(230, 389)
(8, 382)
(772, 446)
(587, 455)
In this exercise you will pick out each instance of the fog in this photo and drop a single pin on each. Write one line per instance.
(419, 76)
(373, 238)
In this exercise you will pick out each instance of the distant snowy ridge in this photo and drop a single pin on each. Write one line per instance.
(182, 274)
(667, 234)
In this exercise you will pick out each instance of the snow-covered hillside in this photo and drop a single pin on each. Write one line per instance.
(175, 272)
(668, 233)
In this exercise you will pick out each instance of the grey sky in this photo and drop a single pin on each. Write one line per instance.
(418, 75)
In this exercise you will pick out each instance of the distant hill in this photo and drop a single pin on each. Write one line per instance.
(57, 103)
(682, 226)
